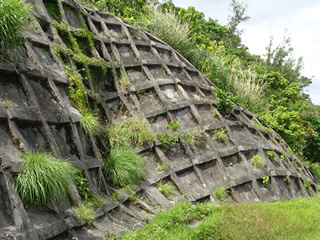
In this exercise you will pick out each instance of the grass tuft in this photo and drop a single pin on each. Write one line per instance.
(86, 213)
(43, 179)
(271, 155)
(91, 124)
(124, 82)
(257, 161)
(221, 194)
(124, 167)
(220, 134)
(167, 190)
(130, 133)
(163, 167)
(194, 138)
(14, 16)
(166, 26)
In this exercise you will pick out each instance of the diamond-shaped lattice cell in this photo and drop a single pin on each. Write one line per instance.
(137, 77)
(127, 55)
(31, 135)
(149, 101)
(146, 53)
(185, 117)
(245, 193)
(6, 211)
(15, 99)
(51, 109)
(235, 167)
(192, 183)
(212, 173)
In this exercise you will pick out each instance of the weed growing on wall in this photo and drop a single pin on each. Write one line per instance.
(221, 194)
(257, 161)
(123, 167)
(129, 133)
(43, 179)
(14, 16)
(91, 124)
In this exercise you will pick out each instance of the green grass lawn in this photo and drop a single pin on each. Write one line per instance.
(296, 219)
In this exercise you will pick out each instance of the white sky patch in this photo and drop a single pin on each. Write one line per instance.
(301, 20)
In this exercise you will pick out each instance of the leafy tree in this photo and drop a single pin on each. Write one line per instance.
(238, 16)
(280, 59)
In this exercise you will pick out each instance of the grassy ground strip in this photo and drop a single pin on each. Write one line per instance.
(290, 220)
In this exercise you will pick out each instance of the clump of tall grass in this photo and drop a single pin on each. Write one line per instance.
(91, 124)
(43, 179)
(14, 16)
(86, 213)
(166, 26)
(248, 88)
(129, 133)
(123, 167)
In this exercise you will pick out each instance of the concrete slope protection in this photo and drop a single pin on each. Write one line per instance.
(36, 114)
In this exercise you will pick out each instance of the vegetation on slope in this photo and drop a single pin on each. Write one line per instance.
(270, 87)
(295, 219)
(14, 16)
(43, 179)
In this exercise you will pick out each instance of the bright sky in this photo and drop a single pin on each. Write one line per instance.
(300, 18)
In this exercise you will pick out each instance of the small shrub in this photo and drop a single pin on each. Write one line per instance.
(265, 181)
(163, 167)
(282, 157)
(286, 179)
(133, 198)
(130, 133)
(173, 126)
(221, 194)
(306, 184)
(86, 213)
(123, 167)
(167, 190)
(14, 16)
(194, 138)
(91, 124)
(167, 139)
(220, 134)
(43, 179)
(225, 102)
(271, 155)
(257, 161)
(315, 168)
(82, 185)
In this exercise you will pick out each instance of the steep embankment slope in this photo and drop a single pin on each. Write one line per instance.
(37, 113)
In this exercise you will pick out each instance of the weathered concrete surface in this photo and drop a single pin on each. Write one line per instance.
(164, 87)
